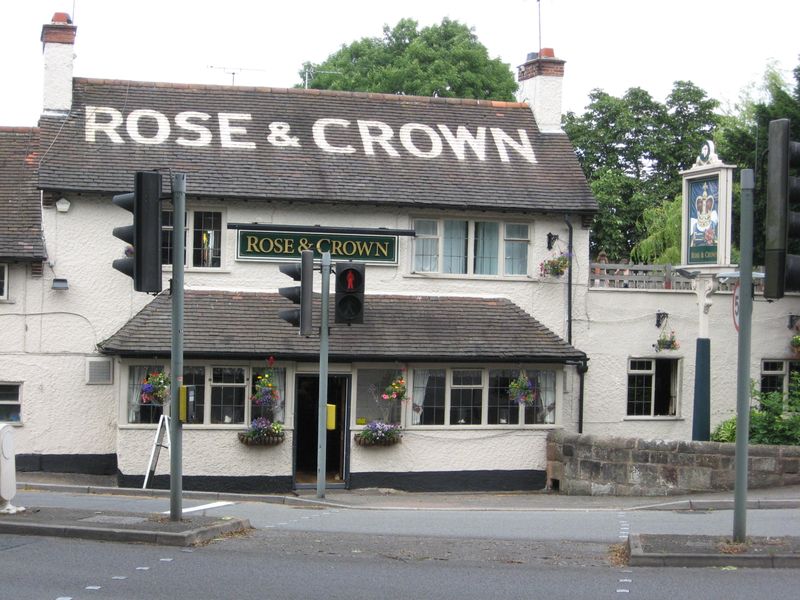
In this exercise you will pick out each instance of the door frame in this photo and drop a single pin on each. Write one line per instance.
(342, 422)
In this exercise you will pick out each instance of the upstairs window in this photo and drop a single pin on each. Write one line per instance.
(204, 245)
(10, 409)
(470, 247)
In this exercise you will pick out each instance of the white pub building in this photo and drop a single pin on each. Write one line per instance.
(495, 284)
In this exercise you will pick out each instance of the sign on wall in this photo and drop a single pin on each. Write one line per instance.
(265, 245)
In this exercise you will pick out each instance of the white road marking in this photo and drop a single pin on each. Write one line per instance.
(202, 507)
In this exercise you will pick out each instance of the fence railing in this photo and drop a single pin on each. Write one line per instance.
(647, 277)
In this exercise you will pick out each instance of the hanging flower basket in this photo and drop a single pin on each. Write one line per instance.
(523, 390)
(666, 342)
(261, 440)
(360, 441)
(377, 433)
(262, 433)
(794, 343)
(555, 266)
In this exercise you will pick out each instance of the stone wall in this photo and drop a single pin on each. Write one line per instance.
(616, 466)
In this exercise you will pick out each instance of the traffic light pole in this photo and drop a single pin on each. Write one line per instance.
(322, 432)
(176, 366)
(743, 371)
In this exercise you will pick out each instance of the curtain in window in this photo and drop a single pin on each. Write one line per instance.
(139, 412)
(487, 243)
(421, 377)
(455, 247)
(426, 246)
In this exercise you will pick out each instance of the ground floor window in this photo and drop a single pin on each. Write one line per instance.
(371, 386)
(10, 409)
(3, 281)
(779, 375)
(217, 394)
(470, 396)
(653, 387)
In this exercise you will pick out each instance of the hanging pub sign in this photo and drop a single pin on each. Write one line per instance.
(281, 245)
(706, 224)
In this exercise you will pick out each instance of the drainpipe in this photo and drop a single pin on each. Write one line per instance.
(582, 367)
(569, 281)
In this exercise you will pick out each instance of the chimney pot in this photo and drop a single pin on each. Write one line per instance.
(547, 53)
(62, 17)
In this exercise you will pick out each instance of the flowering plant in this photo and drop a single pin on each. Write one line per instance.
(667, 342)
(795, 341)
(267, 393)
(262, 431)
(396, 390)
(523, 390)
(378, 433)
(555, 266)
(155, 388)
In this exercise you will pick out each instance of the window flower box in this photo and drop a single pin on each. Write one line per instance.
(262, 433)
(377, 433)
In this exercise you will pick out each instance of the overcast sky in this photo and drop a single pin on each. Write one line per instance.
(720, 45)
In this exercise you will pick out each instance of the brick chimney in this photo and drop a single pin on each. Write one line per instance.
(540, 80)
(58, 40)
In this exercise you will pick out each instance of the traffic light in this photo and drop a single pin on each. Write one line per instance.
(143, 258)
(349, 297)
(782, 270)
(302, 294)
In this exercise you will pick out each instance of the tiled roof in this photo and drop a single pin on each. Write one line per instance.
(20, 210)
(296, 167)
(226, 324)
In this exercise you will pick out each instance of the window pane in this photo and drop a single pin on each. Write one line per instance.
(455, 247)
(9, 412)
(465, 406)
(195, 405)
(516, 259)
(142, 410)
(543, 410)
(487, 244)
(771, 383)
(516, 231)
(665, 397)
(502, 410)
(9, 392)
(426, 255)
(426, 227)
(274, 408)
(227, 395)
(207, 239)
(428, 397)
(640, 391)
(467, 377)
(3, 278)
(641, 365)
(369, 404)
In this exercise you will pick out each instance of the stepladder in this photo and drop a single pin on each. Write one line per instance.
(158, 444)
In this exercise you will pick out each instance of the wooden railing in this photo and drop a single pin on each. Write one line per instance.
(648, 277)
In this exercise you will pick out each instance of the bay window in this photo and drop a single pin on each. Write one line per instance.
(471, 247)
(217, 395)
(476, 396)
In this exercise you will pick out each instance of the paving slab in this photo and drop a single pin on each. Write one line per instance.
(119, 526)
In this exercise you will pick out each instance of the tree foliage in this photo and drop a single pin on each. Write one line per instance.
(632, 150)
(742, 140)
(445, 60)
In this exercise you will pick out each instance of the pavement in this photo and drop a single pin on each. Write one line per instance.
(642, 549)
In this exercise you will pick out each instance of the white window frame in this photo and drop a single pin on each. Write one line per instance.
(3, 281)
(250, 370)
(408, 410)
(17, 402)
(188, 238)
(470, 243)
(784, 372)
(675, 383)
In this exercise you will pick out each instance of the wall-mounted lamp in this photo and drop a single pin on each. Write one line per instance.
(793, 319)
(551, 238)
(60, 284)
(660, 318)
(62, 205)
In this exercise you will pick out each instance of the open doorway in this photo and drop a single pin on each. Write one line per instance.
(306, 428)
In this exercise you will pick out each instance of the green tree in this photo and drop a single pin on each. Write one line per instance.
(742, 140)
(632, 150)
(661, 243)
(445, 60)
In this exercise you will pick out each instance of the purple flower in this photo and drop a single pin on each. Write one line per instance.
(147, 388)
